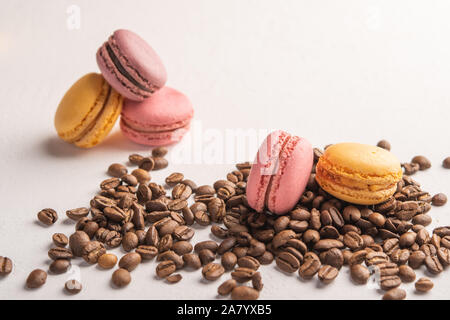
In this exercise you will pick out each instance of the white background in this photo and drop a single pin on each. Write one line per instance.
(329, 71)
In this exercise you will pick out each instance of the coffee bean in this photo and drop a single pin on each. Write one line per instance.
(377, 219)
(384, 144)
(310, 266)
(77, 214)
(282, 238)
(36, 279)
(165, 243)
(165, 268)
(172, 256)
(446, 163)
(111, 183)
(181, 191)
(248, 262)
(206, 256)
(174, 278)
(389, 245)
(117, 170)
(424, 285)
(183, 233)
(244, 293)
(353, 240)
(219, 231)
(174, 178)
(226, 245)
(395, 294)
(359, 273)
(422, 161)
(135, 158)
(60, 253)
(147, 164)
(207, 244)
(375, 258)
(410, 168)
(433, 264)
(444, 256)
(6, 266)
(130, 261)
(115, 214)
(428, 249)
(73, 286)
(182, 247)
(216, 209)
(226, 287)
(141, 175)
(121, 278)
(92, 251)
(130, 241)
(439, 200)
(59, 266)
(406, 273)
(159, 151)
(327, 274)
(265, 258)
(192, 260)
(107, 260)
(177, 205)
(242, 275)
(333, 257)
(442, 231)
(327, 244)
(351, 214)
(390, 282)
(416, 259)
(60, 240)
(400, 256)
(422, 219)
(47, 216)
(160, 163)
(129, 180)
(287, 262)
(212, 271)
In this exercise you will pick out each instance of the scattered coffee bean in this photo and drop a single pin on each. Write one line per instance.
(6, 266)
(142, 176)
(433, 264)
(359, 273)
(59, 266)
(107, 261)
(416, 259)
(165, 268)
(406, 273)
(117, 170)
(47, 216)
(130, 261)
(160, 163)
(60, 240)
(36, 279)
(244, 293)
(174, 278)
(424, 285)
(395, 294)
(60, 253)
(77, 214)
(229, 260)
(422, 161)
(121, 278)
(327, 273)
(439, 199)
(147, 164)
(159, 152)
(390, 282)
(384, 144)
(192, 260)
(92, 251)
(174, 178)
(73, 286)
(212, 271)
(446, 163)
(226, 287)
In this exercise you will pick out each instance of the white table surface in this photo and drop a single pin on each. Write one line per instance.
(329, 71)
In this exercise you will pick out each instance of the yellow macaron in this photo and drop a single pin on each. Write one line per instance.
(358, 173)
(88, 111)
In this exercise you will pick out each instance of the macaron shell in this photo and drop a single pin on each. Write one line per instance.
(288, 185)
(263, 168)
(119, 82)
(162, 138)
(104, 122)
(81, 104)
(139, 57)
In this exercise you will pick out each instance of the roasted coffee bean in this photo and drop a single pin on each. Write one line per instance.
(400, 256)
(205, 190)
(147, 164)
(60, 253)
(92, 251)
(265, 258)
(351, 214)
(60, 240)
(73, 286)
(445, 241)
(311, 236)
(159, 151)
(386, 234)
(115, 213)
(147, 252)
(182, 247)
(36, 279)
(310, 266)
(287, 262)
(129, 180)
(47, 216)
(422, 219)
(327, 244)
(390, 282)
(192, 260)
(428, 249)
(59, 266)
(257, 281)
(422, 161)
(333, 257)
(347, 254)
(212, 271)
(359, 273)
(446, 163)
(226, 245)
(353, 240)
(174, 278)
(256, 248)
(181, 191)
(410, 168)
(165, 243)
(282, 238)
(407, 239)
(172, 256)
(130, 261)
(117, 170)
(206, 256)
(244, 293)
(111, 183)
(444, 256)
(174, 178)
(190, 183)
(198, 206)
(406, 273)
(384, 144)
(219, 232)
(207, 244)
(433, 264)
(152, 237)
(439, 199)
(6, 266)
(202, 218)
(281, 223)
(442, 231)
(395, 294)
(121, 277)
(423, 237)
(135, 158)
(160, 163)
(242, 275)
(226, 287)
(216, 208)
(112, 239)
(77, 241)
(77, 214)
(248, 262)
(167, 226)
(327, 273)
(435, 240)
(107, 260)
(424, 285)
(375, 258)
(377, 219)
(416, 259)
(130, 241)
(177, 204)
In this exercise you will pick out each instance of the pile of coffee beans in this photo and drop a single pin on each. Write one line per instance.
(320, 236)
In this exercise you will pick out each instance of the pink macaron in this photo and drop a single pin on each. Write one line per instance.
(162, 119)
(131, 66)
(279, 173)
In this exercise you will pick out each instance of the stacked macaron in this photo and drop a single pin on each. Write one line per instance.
(132, 83)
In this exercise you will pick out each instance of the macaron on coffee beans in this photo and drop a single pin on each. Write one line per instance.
(310, 211)
(132, 74)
